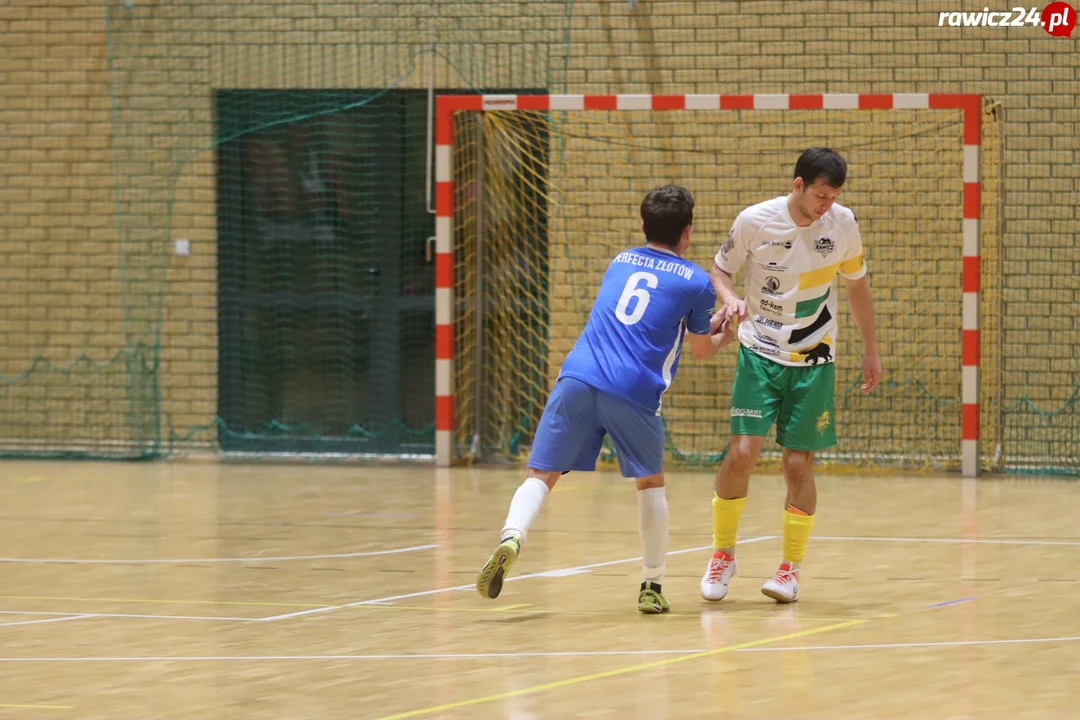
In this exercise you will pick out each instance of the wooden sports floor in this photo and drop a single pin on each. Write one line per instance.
(197, 590)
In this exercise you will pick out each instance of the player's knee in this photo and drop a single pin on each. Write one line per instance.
(549, 478)
(650, 481)
(798, 465)
(742, 453)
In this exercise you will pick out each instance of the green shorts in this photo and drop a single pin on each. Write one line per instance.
(798, 399)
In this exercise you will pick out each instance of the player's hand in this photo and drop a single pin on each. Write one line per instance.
(718, 322)
(735, 309)
(871, 372)
(725, 335)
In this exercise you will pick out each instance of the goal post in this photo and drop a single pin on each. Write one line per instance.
(957, 182)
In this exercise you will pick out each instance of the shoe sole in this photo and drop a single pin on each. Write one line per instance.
(709, 599)
(490, 580)
(775, 595)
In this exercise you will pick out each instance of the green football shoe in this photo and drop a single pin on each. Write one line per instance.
(650, 601)
(490, 580)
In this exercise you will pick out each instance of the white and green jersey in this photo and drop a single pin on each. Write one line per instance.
(791, 278)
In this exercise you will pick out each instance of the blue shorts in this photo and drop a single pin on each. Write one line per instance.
(571, 432)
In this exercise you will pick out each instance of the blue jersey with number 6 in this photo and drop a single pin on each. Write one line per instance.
(631, 344)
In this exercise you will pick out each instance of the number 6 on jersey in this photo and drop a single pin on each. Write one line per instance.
(631, 290)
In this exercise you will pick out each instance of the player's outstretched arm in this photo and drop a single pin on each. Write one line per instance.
(862, 308)
(731, 304)
(703, 347)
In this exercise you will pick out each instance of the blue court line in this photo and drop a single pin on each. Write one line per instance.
(952, 602)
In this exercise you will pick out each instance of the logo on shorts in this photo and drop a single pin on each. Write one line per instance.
(745, 412)
(823, 422)
(824, 246)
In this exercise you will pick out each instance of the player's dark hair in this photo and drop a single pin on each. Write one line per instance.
(666, 212)
(821, 162)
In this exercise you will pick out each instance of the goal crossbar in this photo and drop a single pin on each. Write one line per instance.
(448, 105)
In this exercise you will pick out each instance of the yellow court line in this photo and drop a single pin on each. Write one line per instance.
(38, 707)
(620, 671)
(505, 608)
(159, 602)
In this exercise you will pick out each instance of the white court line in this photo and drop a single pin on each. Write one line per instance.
(987, 541)
(469, 656)
(564, 572)
(42, 622)
(958, 643)
(74, 561)
(266, 658)
(126, 615)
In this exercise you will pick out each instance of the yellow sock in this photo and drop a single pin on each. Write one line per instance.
(725, 521)
(797, 527)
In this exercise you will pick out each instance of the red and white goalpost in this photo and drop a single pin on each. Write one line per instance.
(448, 105)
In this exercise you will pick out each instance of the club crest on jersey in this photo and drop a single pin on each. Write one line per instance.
(824, 246)
(820, 353)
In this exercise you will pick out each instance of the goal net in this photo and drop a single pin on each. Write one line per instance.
(542, 200)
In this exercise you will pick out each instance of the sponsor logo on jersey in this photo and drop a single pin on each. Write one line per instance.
(824, 246)
(772, 284)
(760, 320)
(728, 244)
(772, 308)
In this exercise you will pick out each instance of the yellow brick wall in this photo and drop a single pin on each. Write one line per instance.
(59, 283)
(60, 236)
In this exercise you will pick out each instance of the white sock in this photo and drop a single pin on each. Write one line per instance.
(653, 526)
(524, 508)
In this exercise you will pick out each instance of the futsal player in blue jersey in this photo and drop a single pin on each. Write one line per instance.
(650, 300)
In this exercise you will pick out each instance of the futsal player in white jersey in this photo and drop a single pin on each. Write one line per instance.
(792, 248)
